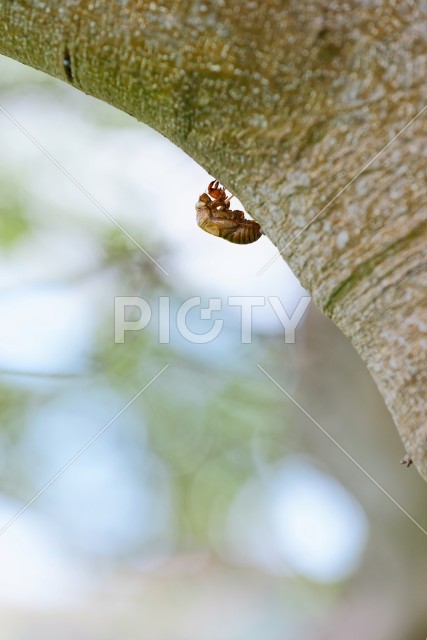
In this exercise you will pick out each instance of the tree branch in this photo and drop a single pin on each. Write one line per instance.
(286, 103)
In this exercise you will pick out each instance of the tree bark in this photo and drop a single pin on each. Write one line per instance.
(285, 102)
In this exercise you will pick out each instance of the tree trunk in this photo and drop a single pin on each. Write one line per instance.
(286, 102)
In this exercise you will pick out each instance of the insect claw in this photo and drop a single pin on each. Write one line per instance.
(215, 190)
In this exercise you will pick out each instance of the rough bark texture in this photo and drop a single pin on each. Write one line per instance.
(284, 101)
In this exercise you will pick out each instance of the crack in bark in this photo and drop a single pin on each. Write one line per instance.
(67, 66)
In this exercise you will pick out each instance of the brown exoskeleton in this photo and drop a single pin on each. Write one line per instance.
(215, 216)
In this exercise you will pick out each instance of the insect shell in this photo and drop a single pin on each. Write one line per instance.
(215, 216)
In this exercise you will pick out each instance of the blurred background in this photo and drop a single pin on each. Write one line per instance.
(212, 507)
